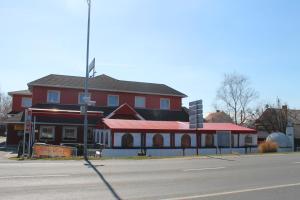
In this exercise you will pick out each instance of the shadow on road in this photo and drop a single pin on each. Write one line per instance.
(114, 193)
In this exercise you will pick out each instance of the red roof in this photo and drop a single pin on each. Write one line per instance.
(145, 125)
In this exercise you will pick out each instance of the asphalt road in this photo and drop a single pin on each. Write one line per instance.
(272, 177)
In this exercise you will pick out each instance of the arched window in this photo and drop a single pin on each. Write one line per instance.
(158, 140)
(185, 141)
(127, 141)
(209, 140)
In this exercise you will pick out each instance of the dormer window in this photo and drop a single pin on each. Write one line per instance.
(53, 96)
(165, 104)
(113, 100)
(26, 102)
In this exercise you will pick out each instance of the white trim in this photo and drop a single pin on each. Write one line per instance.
(53, 91)
(142, 97)
(112, 95)
(110, 90)
(160, 107)
(53, 132)
(63, 132)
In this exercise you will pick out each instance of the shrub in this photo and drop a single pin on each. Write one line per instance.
(267, 147)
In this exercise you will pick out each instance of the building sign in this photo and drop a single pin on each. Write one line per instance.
(18, 127)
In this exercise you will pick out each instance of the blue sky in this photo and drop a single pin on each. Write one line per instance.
(186, 44)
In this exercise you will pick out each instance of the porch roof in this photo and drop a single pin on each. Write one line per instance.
(172, 126)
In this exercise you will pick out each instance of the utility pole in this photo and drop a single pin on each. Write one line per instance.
(86, 84)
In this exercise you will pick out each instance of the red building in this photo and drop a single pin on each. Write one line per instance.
(55, 104)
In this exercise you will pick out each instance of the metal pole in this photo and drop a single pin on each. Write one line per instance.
(86, 83)
(24, 136)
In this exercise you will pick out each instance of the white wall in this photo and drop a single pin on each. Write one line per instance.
(203, 136)
(136, 139)
(118, 139)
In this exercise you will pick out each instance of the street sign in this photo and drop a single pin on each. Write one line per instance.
(91, 65)
(196, 114)
(27, 121)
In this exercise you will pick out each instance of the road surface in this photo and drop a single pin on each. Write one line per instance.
(271, 177)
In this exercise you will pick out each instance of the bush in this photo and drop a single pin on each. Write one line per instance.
(267, 147)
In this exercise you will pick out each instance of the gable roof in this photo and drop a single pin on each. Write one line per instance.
(105, 83)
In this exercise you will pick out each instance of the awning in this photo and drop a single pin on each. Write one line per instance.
(170, 126)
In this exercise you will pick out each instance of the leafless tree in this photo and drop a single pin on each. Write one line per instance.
(236, 96)
(5, 105)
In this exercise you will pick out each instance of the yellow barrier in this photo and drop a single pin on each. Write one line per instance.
(51, 151)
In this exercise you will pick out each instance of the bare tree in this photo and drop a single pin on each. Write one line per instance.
(5, 105)
(235, 96)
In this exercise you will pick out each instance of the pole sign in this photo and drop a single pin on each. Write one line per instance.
(27, 121)
(91, 65)
(196, 114)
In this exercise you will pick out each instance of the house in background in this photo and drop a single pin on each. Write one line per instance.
(218, 117)
(277, 120)
(128, 116)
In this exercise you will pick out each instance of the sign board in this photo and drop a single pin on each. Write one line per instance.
(27, 121)
(196, 114)
(92, 65)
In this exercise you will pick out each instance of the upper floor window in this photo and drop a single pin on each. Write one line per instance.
(164, 104)
(112, 100)
(81, 97)
(139, 102)
(26, 102)
(53, 96)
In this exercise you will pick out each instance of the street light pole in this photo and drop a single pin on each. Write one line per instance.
(86, 84)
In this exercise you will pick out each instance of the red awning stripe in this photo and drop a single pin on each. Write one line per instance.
(172, 126)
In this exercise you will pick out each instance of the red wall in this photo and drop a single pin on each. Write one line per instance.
(70, 96)
(17, 102)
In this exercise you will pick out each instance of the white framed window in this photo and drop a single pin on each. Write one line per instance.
(69, 133)
(47, 133)
(113, 100)
(139, 102)
(81, 96)
(26, 102)
(53, 96)
(164, 103)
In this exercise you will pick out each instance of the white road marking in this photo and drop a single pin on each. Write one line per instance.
(297, 162)
(203, 169)
(36, 176)
(235, 192)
